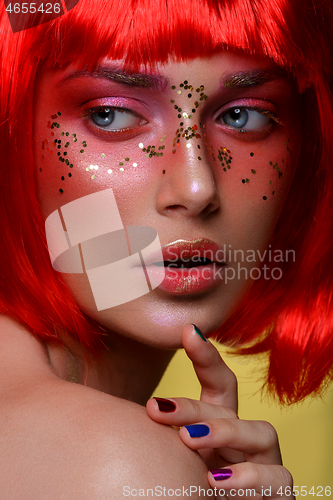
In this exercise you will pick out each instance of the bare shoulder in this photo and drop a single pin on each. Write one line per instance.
(62, 440)
(68, 438)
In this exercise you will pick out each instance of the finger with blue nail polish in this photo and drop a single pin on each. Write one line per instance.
(197, 430)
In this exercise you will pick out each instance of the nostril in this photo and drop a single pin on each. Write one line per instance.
(174, 208)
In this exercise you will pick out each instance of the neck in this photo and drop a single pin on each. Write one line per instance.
(127, 369)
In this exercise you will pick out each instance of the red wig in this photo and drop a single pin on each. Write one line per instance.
(292, 318)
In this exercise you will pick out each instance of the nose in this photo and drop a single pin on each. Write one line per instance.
(188, 186)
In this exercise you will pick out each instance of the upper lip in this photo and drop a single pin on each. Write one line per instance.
(185, 250)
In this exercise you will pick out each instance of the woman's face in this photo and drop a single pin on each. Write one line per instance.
(203, 152)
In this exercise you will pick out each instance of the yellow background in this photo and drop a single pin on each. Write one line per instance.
(305, 430)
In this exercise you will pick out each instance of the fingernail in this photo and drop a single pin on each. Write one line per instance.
(197, 430)
(199, 332)
(165, 405)
(221, 474)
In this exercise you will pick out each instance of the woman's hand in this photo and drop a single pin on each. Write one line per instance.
(241, 455)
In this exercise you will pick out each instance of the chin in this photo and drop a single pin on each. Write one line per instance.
(158, 317)
(159, 322)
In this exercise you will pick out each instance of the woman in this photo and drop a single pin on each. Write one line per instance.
(189, 121)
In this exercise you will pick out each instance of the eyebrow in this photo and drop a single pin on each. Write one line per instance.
(241, 79)
(245, 79)
(142, 80)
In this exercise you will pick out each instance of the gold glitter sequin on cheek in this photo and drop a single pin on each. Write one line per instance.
(285, 162)
(151, 151)
(277, 176)
(225, 158)
(66, 143)
(60, 142)
(253, 171)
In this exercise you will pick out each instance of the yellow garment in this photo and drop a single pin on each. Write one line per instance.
(305, 430)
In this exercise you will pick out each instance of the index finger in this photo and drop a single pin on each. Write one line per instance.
(218, 382)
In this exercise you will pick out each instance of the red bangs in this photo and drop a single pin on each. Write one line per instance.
(146, 33)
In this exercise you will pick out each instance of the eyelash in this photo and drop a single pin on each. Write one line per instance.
(114, 134)
(134, 130)
(256, 133)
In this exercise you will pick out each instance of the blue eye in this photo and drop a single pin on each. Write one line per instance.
(103, 117)
(115, 119)
(246, 119)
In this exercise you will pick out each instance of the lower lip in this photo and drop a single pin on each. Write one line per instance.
(191, 280)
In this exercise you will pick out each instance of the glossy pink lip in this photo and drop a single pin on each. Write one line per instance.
(197, 278)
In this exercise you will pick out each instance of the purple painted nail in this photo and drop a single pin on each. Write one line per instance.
(165, 405)
(221, 474)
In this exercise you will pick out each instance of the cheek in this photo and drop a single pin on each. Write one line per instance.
(258, 172)
(57, 155)
(87, 233)
(70, 166)
(254, 180)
